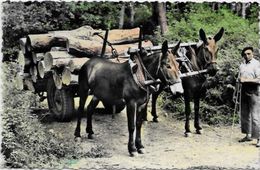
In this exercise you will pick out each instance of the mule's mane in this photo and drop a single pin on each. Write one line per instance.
(193, 58)
(174, 65)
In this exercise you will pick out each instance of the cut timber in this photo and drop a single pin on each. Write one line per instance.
(74, 79)
(50, 57)
(84, 48)
(84, 32)
(41, 69)
(23, 45)
(44, 42)
(37, 57)
(66, 76)
(122, 49)
(121, 35)
(33, 72)
(29, 85)
(77, 63)
(58, 49)
(57, 80)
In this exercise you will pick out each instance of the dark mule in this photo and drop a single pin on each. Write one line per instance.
(114, 83)
(202, 57)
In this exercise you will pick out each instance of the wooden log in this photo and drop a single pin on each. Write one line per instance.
(57, 80)
(50, 57)
(122, 35)
(84, 32)
(66, 76)
(37, 57)
(122, 49)
(28, 84)
(84, 48)
(33, 72)
(58, 49)
(41, 69)
(77, 63)
(74, 79)
(23, 45)
(44, 42)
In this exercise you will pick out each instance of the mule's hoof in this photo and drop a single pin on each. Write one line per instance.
(77, 139)
(141, 151)
(90, 136)
(200, 132)
(133, 154)
(155, 120)
(187, 134)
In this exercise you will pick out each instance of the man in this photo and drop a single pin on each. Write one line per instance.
(250, 96)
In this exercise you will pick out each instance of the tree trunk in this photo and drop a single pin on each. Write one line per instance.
(66, 76)
(162, 20)
(122, 16)
(132, 13)
(49, 58)
(244, 8)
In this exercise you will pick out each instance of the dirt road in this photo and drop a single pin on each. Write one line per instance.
(165, 145)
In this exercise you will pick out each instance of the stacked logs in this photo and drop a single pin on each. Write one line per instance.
(62, 53)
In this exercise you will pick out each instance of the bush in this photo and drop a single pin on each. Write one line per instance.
(26, 143)
(239, 33)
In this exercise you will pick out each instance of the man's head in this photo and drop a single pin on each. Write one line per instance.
(247, 53)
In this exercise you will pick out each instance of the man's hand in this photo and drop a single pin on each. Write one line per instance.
(248, 80)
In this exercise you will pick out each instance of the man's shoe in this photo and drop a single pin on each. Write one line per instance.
(245, 139)
(258, 143)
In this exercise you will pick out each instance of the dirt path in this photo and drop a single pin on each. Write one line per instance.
(165, 145)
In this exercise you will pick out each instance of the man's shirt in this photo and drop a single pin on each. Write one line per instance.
(250, 70)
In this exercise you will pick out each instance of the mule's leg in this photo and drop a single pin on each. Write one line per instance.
(82, 101)
(154, 99)
(139, 120)
(131, 119)
(187, 113)
(196, 113)
(144, 116)
(90, 109)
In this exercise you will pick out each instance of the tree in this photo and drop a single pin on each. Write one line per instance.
(122, 16)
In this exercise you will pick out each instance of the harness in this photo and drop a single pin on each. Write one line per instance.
(142, 75)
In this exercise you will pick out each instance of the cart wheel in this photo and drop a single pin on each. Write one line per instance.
(60, 102)
(109, 108)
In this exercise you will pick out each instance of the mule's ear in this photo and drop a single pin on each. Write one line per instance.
(219, 34)
(175, 49)
(203, 36)
(165, 47)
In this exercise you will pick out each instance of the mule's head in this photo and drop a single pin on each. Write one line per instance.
(169, 68)
(207, 52)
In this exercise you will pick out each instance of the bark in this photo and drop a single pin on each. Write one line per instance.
(132, 13)
(66, 76)
(49, 58)
(41, 69)
(122, 16)
(36, 57)
(43, 42)
(57, 80)
(162, 20)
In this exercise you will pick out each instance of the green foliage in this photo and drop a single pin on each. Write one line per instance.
(26, 143)
(239, 33)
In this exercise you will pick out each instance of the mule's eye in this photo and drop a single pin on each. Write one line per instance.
(168, 66)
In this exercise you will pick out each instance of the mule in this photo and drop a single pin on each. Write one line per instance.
(202, 57)
(114, 83)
